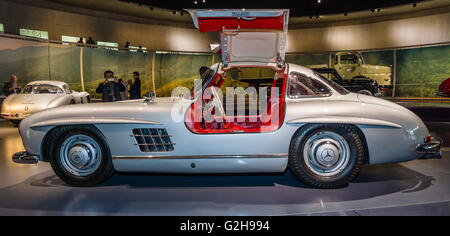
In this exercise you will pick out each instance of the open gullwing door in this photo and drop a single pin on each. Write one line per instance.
(247, 35)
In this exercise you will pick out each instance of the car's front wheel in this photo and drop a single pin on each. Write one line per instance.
(80, 156)
(326, 155)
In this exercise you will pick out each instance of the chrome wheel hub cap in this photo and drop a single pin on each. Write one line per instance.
(326, 153)
(80, 155)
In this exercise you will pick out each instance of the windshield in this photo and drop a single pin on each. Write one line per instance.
(41, 89)
(349, 59)
(333, 84)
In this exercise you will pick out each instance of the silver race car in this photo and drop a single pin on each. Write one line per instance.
(40, 95)
(305, 122)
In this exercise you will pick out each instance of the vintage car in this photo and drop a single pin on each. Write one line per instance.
(351, 65)
(444, 88)
(358, 85)
(310, 125)
(40, 95)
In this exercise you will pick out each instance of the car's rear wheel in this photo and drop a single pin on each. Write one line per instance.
(326, 155)
(80, 156)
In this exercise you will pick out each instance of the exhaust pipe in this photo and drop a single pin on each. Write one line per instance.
(25, 158)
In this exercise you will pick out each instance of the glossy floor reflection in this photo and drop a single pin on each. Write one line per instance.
(420, 187)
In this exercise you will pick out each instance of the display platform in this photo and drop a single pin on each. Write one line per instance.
(418, 187)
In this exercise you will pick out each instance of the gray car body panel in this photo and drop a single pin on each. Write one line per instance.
(391, 132)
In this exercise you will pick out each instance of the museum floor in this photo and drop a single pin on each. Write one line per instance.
(420, 187)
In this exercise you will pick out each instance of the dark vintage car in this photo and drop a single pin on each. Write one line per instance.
(360, 85)
(444, 88)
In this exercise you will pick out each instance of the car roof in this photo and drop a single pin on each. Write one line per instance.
(50, 82)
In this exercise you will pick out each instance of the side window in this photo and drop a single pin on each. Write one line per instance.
(67, 89)
(349, 59)
(303, 86)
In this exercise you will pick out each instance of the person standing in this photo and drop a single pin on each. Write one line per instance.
(110, 88)
(90, 42)
(135, 88)
(12, 86)
(124, 94)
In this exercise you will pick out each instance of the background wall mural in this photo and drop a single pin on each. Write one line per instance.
(419, 71)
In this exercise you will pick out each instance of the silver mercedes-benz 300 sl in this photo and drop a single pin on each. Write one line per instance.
(303, 121)
(37, 96)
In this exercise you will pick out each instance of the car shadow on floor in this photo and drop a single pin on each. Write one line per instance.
(149, 193)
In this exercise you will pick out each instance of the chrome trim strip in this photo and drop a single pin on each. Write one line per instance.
(200, 157)
(93, 120)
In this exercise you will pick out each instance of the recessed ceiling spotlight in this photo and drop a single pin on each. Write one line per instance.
(319, 1)
(204, 1)
(195, 2)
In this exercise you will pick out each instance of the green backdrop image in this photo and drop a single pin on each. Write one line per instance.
(97, 60)
(179, 70)
(309, 59)
(27, 59)
(419, 71)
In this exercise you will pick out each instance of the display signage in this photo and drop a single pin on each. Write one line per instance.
(67, 40)
(34, 33)
(137, 49)
(108, 45)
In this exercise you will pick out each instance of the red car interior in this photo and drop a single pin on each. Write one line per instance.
(267, 121)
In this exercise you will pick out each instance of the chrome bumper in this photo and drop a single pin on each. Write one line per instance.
(431, 149)
(25, 158)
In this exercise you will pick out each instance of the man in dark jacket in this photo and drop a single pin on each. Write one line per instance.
(11, 87)
(135, 88)
(110, 88)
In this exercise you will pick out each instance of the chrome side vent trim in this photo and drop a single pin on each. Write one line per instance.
(153, 140)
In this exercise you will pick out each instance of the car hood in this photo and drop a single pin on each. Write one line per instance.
(373, 69)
